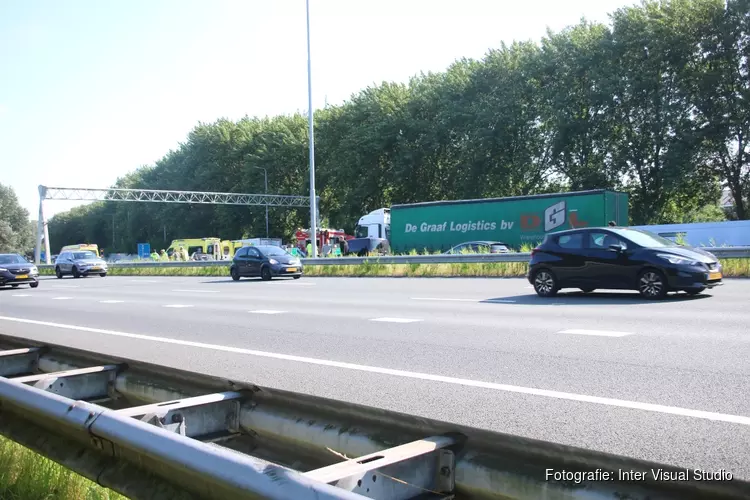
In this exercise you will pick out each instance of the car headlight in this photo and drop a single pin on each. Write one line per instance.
(295, 262)
(34, 270)
(2, 270)
(273, 261)
(675, 259)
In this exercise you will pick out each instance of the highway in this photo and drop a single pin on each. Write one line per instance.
(664, 381)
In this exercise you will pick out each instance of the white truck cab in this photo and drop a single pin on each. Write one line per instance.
(376, 224)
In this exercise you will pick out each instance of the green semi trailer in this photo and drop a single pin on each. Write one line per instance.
(440, 225)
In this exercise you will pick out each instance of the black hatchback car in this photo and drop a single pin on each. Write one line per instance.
(266, 262)
(620, 259)
(16, 270)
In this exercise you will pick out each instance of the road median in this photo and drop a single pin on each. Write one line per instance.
(733, 268)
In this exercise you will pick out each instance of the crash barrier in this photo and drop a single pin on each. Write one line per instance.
(720, 252)
(152, 432)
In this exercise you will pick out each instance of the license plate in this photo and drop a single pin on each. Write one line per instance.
(95, 268)
(291, 269)
(22, 276)
(714, 276)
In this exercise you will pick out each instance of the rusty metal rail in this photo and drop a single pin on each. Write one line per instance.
(151, 432)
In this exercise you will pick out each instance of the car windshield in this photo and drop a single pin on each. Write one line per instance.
(12, 259)
(84, 255)
(645, 239)
(272, 251)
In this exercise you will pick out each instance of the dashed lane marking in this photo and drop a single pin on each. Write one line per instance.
(596, 333)
(396, 320)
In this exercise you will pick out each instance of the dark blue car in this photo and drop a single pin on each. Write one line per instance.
(265, 262)
(620, 259)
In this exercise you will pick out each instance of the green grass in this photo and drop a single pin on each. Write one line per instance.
(733, 268)
(25, 475)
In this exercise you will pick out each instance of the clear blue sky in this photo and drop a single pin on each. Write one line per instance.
(90, 90)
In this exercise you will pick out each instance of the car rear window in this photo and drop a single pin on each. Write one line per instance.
(571, 241)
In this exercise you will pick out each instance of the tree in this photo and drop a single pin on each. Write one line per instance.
(720, 84)
(16, 234)
(657, 146)
(577, 68)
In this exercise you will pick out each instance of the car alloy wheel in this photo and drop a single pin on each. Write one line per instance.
(544, 283)
(651, 285)
(235, 274)
(58, 273)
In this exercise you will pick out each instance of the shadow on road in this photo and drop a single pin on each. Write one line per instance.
(585, 299)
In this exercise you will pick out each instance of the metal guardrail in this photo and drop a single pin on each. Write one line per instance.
(154, 432)
(720, 252)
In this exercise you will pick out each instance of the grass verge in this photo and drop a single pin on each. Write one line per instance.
(26, 475)
(733, 268)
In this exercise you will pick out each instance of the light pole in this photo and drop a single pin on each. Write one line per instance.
(313, 211)
(265, 184)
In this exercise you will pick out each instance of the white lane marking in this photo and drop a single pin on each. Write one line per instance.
(446, 300)
(396, 320)
(266, 311)
(636, 405)
(598, 333)
(61, 298)
(111, 301)
(177, 306)
(476, 301)
(22, 295)
(197, 291)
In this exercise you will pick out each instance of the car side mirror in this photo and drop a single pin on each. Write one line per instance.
(617, 248)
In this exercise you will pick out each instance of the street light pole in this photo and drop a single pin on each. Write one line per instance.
(313, 211)
(265, 182)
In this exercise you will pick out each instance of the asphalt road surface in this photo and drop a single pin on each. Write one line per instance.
(665, 381)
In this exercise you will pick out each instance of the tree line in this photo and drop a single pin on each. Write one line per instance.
(655, 103)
